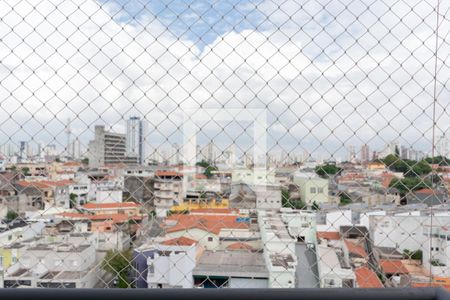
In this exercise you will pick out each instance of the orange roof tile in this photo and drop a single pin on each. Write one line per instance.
(427, 192)
(366, 278)
(45, 184)
(210, 223)
(73, 215)
(443, 282)
(239, 246)
(110, 205)
(116, 218)
(200, 176)
(161, 173)
(71, 164)
(386, 181)
(354, 248)
(328, 235)
(180, 241)
(393, 267)
(214, 210)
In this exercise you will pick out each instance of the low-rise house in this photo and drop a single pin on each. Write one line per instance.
(279, 250)
(246, 196)
(127, 208)
(429, 197)
(366, 278)
(312, 188)
(172, 263)
(53, 265)
(255, 176)
(301, 224)
(334, 271)
(49, 193)
(235, 268)
(207, 229)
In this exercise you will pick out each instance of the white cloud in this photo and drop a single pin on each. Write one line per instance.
(84, 64)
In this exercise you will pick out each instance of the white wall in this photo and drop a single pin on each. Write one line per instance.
(336, 219)
(109, 196)
(248, 283)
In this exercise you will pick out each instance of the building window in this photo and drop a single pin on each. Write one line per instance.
(320, 190)
(312, 190)
(210, 239)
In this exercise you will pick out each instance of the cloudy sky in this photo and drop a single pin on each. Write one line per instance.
(327, 74)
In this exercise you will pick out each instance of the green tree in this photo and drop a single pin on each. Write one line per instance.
(25, 171)
(73, 199)
(286, 201)
(344, 199)
(410, 168)
(440, 160)
(85, 161)
(327, 170)
(11, 215)
(118, 263)
(209, 168)
(409, 184)
(408, 254)
(315, 206)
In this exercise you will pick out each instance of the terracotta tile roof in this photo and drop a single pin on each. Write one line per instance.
(161, 173)
(116, 218)
(386, 180)
(180, 241)
(443, 282)
(393, 267)
(210, 223)
(45, 184)
(200, 176)
(71, 164)
(366, 278)
(73, 215)
(214, 210)
(328, 235)
(356, 249)
(239, 246)
(427, 192)
(110, 205)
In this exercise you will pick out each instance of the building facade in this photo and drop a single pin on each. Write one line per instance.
(108, 148)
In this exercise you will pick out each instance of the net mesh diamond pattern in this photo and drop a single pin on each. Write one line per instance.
(224, 144)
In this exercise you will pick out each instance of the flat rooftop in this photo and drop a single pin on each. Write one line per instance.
(232, 264)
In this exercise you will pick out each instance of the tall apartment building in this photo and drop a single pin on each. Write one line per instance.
(135, 138)
(108, 148)
(365, 154)
(442, 146)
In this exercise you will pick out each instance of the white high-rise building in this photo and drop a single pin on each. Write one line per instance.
(442, 146)
(351, 153)
(76, 149)
(135, 138)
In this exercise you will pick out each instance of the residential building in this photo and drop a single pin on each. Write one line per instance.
(168, 190)
(108, 148)
(279, 250)
(365, 154)
(234, 268)
(47, 265)
(135, 138)
(213, 231)
(172, 263)
(334, 271)
(312, 188)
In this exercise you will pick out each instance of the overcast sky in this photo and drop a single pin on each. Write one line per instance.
(328, 74)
